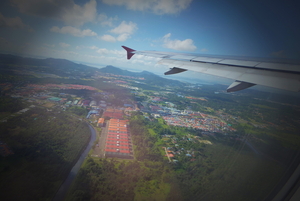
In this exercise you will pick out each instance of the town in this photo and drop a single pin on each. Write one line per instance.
(158, 128)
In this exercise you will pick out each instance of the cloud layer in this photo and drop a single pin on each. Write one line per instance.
(73, 31)
(13, 22)
(106, 21)
(123, 32)
(64, 45)
(64, 10)
(159, 7)
(182, 45)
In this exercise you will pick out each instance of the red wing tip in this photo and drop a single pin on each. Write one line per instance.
(129, 52)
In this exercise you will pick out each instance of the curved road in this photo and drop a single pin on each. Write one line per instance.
(67, 183)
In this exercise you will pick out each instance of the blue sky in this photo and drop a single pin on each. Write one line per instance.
(93, 31)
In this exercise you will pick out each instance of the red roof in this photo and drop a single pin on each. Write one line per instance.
(117, 147)
(114, 150)
(115, 137)
(121, 139)
(101, 120)
(115, 134)
(115, 142)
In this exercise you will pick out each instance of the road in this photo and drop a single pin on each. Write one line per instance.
(67, 183)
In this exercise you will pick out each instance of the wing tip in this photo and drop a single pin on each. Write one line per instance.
(129, 52)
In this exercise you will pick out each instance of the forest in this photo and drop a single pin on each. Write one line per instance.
(45, 145)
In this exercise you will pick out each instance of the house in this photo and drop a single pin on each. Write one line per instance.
(100, 122)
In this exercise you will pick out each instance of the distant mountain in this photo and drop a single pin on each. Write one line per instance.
(66, 68)
(150, 78)
(115, 71)
(61, 67)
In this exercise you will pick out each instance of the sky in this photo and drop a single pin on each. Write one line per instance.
(93, 31)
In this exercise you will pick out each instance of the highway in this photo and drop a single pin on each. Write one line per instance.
(67, 183)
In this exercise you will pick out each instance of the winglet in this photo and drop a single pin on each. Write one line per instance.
(129, 52)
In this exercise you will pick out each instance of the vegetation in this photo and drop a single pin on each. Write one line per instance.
(45, 145)
(80, 111)
(10, 105)
(111, 179)
(148, 177)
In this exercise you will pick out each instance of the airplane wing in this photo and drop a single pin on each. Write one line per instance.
(246, 72)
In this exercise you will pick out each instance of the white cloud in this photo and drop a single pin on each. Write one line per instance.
(125, 27)
(124, 30)
(108, 38)
(106, 21)
(167, 36)
(64, 10)
(118, 57)
(183, 45)
(13, 22)
(105, 51)
(64, 45)
(159, 7)
(87, 47)
(49, 45)
(123, 37)
(73, 31)
(94, 48)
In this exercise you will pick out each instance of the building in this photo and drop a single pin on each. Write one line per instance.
(93, 103)
(118, 141)
(86, 102)
(95, 112)
(75, 102)
(100, 122)
(113, 113)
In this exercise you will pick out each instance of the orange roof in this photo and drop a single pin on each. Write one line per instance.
(101, 120)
